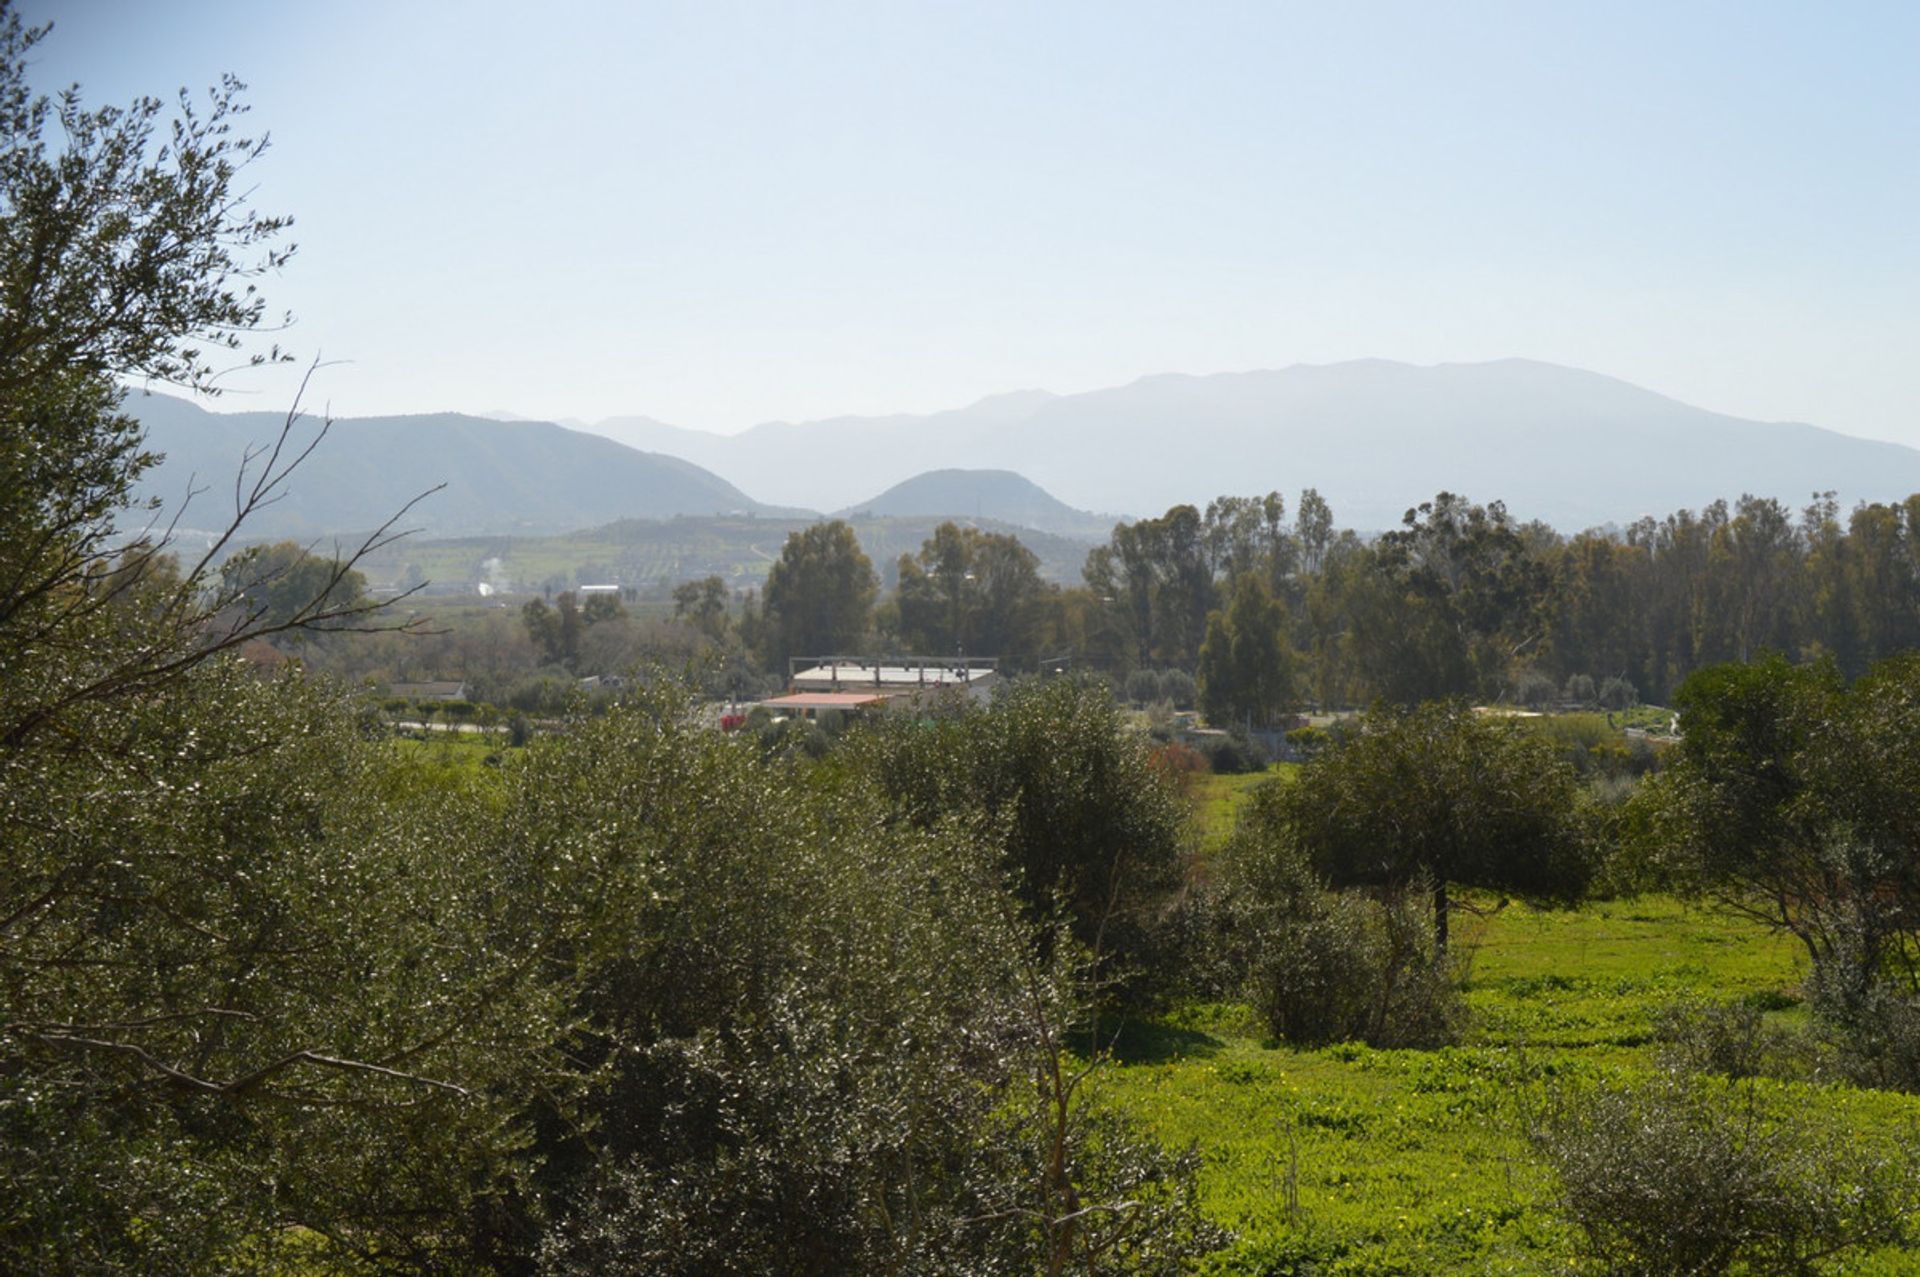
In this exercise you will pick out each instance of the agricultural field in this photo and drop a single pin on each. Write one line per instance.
(1351, 1160)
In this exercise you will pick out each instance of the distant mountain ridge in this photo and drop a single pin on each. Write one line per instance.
(529, 477)
(1000, 495)
(1572, 447)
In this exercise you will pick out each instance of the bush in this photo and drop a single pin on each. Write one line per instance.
(819, 1033)
(1870, 1026)
(519, 730)
(1730, 1039)
(1180, 764)
(1236, 755)
(1178, 687)
(1534, 689)
(1617, 693)
(1683, 1175)
(1307, 742)
(1323, 966)
(1350, 968)
(1087, 822)
(1580, 689)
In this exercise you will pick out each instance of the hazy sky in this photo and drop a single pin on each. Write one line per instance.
(720, 213)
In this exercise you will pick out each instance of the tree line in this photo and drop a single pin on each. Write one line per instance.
(1269, 612)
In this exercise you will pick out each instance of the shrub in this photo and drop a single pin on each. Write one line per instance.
(1307, 742)
(1323, 966)
(1617, 693)
(1870, 1026)
(823, 1039)
(1683, 1175)
(1086, 821)
(519, 730)
(1351, 968)
(1731, 1039)
(1180, 764)
(1178, 687)
(1580, 689)
(1236, 755)
(1534, 689)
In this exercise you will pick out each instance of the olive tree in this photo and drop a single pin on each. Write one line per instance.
(1085, 818)
(1791, 800)
(236, 1001)
(821, 1040)
(1436, 796)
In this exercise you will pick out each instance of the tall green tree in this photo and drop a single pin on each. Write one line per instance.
(1157, 577)
(819, 595)
(969, 589)
(1246, 663)
(279, 583)
(1791, 798)
(702, 604)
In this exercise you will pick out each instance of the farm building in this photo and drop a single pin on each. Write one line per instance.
(911, 676)
(857, 685)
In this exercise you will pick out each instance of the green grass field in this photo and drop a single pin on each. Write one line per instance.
(1349, 1160)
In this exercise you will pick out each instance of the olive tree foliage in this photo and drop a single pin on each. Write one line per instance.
(1791, 799)
(1681, 1174)
(1320, 964)
(240, 996)
(200, 873)
(1086, 820)
(820, 1040)
(1434, 796)
(127, 251)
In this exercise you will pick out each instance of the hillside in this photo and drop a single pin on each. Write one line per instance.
(985, 494)
(654, 552)
(501, 476)
(1574, 448)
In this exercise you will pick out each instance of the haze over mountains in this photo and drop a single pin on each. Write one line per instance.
(521, 477)
(1000, 495)
(1574, 448)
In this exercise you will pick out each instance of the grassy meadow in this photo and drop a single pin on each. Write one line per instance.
(1349, 1160)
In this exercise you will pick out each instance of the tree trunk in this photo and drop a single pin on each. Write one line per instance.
(1440, 907)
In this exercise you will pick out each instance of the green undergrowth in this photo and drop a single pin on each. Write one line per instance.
(1216, 798)
(1349, 1160)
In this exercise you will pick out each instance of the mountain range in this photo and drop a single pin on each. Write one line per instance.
(1574, 448)
(527, 477)
(1376, 437)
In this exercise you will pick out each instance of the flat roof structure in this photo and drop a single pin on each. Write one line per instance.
(824, 700)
